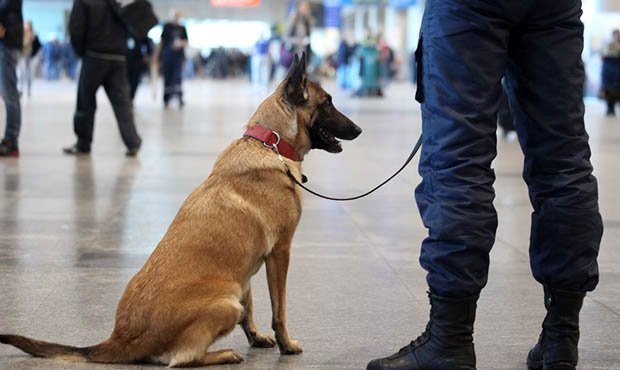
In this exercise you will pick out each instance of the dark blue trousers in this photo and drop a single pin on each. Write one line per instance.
(466, 47)
(172, 68)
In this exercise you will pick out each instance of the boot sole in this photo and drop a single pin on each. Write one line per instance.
(534, 365)
(538, 365)
(560, 367)
(77, 154)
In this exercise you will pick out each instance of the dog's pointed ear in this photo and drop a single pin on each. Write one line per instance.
(296, 82)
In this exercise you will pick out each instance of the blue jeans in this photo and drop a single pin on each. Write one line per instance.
(8, 75)
(466, 47)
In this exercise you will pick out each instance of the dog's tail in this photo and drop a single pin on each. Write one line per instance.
(106, 352)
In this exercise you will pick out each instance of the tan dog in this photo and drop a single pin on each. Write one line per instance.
(195, 287)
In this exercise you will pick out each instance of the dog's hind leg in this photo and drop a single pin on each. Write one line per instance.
(255, 339)
(216, 319)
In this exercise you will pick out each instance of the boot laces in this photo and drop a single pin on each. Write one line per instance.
(423, 338)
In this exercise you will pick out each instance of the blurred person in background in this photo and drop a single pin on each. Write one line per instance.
(52, 58)
(31, 47)
(371, 67)
(346, 50)
(11, 40)
(139, 54)
(388, 60)
(261, 62)
(298, 30)
(103, 64)
(610, 89)
(171, 53)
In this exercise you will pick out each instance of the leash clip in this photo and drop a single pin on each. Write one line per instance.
(274, 146)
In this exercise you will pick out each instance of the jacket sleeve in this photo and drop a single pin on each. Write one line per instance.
(78, 27)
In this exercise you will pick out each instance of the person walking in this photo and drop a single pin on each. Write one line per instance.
(260, 62)
(139, 55)
(344, 55)
(610, 74)
(11, 39)
(31, 47)
(171, 52)
(464, 50)
(298, 30)
(100, 38)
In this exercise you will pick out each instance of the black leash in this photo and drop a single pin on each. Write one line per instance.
(413, 153)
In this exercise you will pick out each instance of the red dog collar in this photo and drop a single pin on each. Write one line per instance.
(271, 139)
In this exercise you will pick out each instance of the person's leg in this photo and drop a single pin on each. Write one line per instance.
(91, 77)
(264, 68)
(545, 78)
(460, 88)
(254, 69)
(611, 105)
(28, 74)
(21, 72)
(167, 71)
(178, 80)
(134, 75)
(117, 88)
(10, 94)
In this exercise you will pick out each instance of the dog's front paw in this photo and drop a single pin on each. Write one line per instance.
(263, 341)
(231, 357)
(291, 348)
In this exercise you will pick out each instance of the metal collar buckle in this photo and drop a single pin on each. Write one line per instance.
(274, 146)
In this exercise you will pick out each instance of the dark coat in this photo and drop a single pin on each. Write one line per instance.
(11, 18)
(94, 27)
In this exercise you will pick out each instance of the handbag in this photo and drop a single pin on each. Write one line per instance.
(140, 18)
(137, 17)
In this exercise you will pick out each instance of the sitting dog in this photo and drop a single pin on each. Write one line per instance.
(195, 287)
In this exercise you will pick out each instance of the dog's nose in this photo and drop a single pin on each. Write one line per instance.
(358, 131)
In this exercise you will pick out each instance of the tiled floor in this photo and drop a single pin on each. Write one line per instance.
(74, 230)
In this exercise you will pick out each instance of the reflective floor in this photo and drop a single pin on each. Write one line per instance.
(74, 230)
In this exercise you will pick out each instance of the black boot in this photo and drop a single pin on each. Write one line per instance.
(8, 148)
(446, 344)
(76, 149)
(557, 345)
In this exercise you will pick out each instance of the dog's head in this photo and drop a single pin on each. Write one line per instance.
(316, 114)
(312, 121)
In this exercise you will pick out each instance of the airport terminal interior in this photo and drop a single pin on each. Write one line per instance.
(75, 229)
